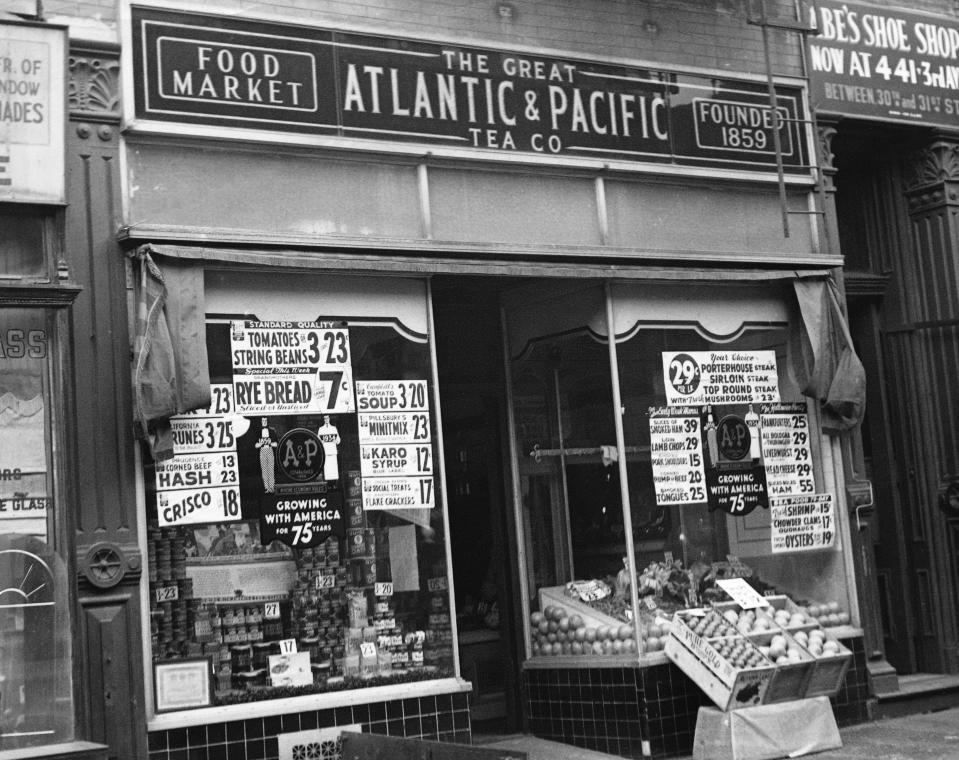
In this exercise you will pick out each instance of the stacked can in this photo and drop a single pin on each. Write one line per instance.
(438, 649)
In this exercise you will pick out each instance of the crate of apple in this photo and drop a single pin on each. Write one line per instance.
(709, 624)
(794, 666)
(739, 652)
(832, 661)
(556, 632)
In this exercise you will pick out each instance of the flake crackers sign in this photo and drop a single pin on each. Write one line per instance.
(291, 367)
(720, 377)
(396, 450)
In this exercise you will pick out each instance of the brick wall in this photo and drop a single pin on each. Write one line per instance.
(710, 34)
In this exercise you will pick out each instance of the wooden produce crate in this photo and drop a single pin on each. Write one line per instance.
(829, 672)
(728, 687)
(783, 602)
(791, 680)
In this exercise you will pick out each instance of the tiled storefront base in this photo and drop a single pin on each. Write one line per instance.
(444, 718)
(645, 712)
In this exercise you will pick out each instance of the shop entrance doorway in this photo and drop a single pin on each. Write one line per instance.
(473, 397)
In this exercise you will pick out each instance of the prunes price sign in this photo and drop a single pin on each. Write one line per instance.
(786, 447)
(676, 454)
(720, 377)
(302, 522)
(802, 523)
(200, 484)
(396, 450)
(884, 63)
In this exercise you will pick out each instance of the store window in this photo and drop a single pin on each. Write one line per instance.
(36, 706)
(297, 540)
(22, 243)
(720, 476)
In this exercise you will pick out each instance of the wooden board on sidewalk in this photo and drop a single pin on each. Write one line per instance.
(378, 747)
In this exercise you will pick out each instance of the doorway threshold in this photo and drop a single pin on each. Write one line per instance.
(919, 693)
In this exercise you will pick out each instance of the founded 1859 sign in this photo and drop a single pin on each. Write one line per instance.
(884, 63)
(231, 72)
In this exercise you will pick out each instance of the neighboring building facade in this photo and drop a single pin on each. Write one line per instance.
(488, 195)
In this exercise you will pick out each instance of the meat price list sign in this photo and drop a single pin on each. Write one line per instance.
(786, 450)
(676, 454)
(200, 484)
(291, 368)
(720, 377)
(802, 523)
(884, 63)
(396, 450)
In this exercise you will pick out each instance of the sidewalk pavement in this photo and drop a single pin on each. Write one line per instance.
(928, 736)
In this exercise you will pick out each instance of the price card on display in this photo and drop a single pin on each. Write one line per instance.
(676, 454)
(742, 593)
(787, 449)
(398, 493)
(167, 593)
(802, 523)
(201, 483)
(720, 377)
(271, 611)
(383, 589)
(291, 367)
(439, 583)
(396, 449)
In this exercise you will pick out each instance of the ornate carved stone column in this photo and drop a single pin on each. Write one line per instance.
(931, 314)
(108, 558)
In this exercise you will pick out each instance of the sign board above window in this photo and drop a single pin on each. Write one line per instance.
(884, 63)
(32, 112)
(255, 75)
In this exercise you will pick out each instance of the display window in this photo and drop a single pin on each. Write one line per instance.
(297, 538)
(36, 702)
(720, 479)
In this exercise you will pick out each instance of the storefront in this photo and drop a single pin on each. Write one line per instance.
(891, 126)
(370, 258)
(39, 676)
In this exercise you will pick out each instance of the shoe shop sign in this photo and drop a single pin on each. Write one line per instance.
(238, 73)
(32, 112)
(884, 63)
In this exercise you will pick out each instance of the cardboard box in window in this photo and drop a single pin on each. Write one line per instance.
(728, 686)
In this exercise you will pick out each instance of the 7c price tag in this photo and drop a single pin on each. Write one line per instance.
(383, 589)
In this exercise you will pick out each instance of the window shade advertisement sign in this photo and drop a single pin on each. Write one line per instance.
(224, 71)
(25, 499)
(291, 367)
(676, 454)
(32, 113)
(396, 450)
(720, 377)
(802, 523)
(787, 449)
(884, 63)
(201, 483)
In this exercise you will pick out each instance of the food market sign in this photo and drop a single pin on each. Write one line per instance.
(228, 72)
(32, 112)
(884, 63)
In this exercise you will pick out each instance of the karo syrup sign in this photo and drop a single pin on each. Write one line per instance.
(231, 72)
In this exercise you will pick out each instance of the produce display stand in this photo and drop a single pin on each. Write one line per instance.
(557, 597)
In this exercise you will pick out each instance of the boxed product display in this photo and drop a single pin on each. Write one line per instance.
(728, 667)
